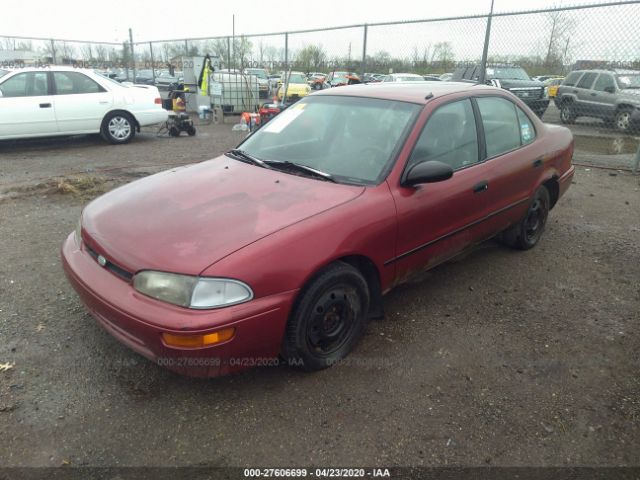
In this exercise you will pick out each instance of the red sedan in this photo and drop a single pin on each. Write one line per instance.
(283, 247)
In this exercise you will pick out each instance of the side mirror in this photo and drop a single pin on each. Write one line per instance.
(610, 89)
(428, 172)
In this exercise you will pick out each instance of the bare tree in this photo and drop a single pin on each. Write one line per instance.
(242, 49)
(86, 51)
(560, 28)
(101, 53)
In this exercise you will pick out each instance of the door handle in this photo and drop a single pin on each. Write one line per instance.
(537, 163)
(481, 187)
(45, 105)
(594, 94)
(575, 91)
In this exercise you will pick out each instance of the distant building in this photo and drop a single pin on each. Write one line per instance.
(26, 57)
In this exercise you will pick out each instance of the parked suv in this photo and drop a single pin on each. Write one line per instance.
(509, 77)
(611, 95)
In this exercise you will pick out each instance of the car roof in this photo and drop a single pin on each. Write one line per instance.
(415, 92)
(50, 67)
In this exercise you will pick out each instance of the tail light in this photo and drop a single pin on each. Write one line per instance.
(158, 101)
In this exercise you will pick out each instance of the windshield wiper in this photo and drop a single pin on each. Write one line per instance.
(246, 157)
(301, 168)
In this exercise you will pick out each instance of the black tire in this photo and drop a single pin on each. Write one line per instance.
(622, 120)
(527, 232)
(567, 113)
(191, 131)
(118, 128)
(174, 132)
(328, 318)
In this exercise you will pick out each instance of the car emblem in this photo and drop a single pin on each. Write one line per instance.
(102, 261)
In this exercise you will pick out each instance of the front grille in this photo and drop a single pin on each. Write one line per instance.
(525, 93)
(112, 267)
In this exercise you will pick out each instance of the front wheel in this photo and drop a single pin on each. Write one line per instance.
(527, 232)
(328, 318)
(567, 113)
(118, 128)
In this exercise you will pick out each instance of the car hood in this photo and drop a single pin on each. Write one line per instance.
(511, 83)
(185, 219)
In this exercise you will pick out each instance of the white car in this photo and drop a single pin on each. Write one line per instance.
(52, 101)
(403, 77)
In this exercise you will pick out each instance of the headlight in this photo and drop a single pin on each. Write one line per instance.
(77, 233)
(192, 292)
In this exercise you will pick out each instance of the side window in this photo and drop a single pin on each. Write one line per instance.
(587, 80)
(527, 130)
(68, 83)
(501, 125)
(33, 84)
(449, 137)
(605, 83)
(572, 79)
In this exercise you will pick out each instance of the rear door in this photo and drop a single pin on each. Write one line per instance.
(513, 159)
(26, 106)
(81, 103)
(586, 104)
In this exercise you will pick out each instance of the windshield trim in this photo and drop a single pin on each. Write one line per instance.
(393, 157)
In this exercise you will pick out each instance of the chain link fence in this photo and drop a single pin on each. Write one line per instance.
(547, 42)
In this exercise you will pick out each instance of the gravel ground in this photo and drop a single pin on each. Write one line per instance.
(497, 358)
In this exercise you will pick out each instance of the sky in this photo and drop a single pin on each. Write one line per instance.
(155, 20)
(601, 33)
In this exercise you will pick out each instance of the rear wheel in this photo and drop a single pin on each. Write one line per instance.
(118, 127)
(623, 120)
(174, 132)
(567, 113)
(328, 319)
(191, 131)
(526, 233)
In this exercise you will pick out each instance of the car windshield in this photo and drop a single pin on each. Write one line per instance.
(258, 73)
(295, 78)
(507, 73)
(3, 73)
(409, 79)
(353, 139)
(629, 81)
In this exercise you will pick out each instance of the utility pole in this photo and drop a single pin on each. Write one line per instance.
(364, 52)
(485, 50)
(133, 58)
(233, 41)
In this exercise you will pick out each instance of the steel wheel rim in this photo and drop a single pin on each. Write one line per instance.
(535, 220)
(623, 120)
(119, 127)
(566, 113)
(332, 321)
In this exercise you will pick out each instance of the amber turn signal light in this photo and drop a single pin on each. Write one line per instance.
(195, 341)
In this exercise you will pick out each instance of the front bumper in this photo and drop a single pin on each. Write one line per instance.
(539, 105)
(139, 321)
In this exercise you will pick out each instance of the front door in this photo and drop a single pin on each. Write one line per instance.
(437, 220)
